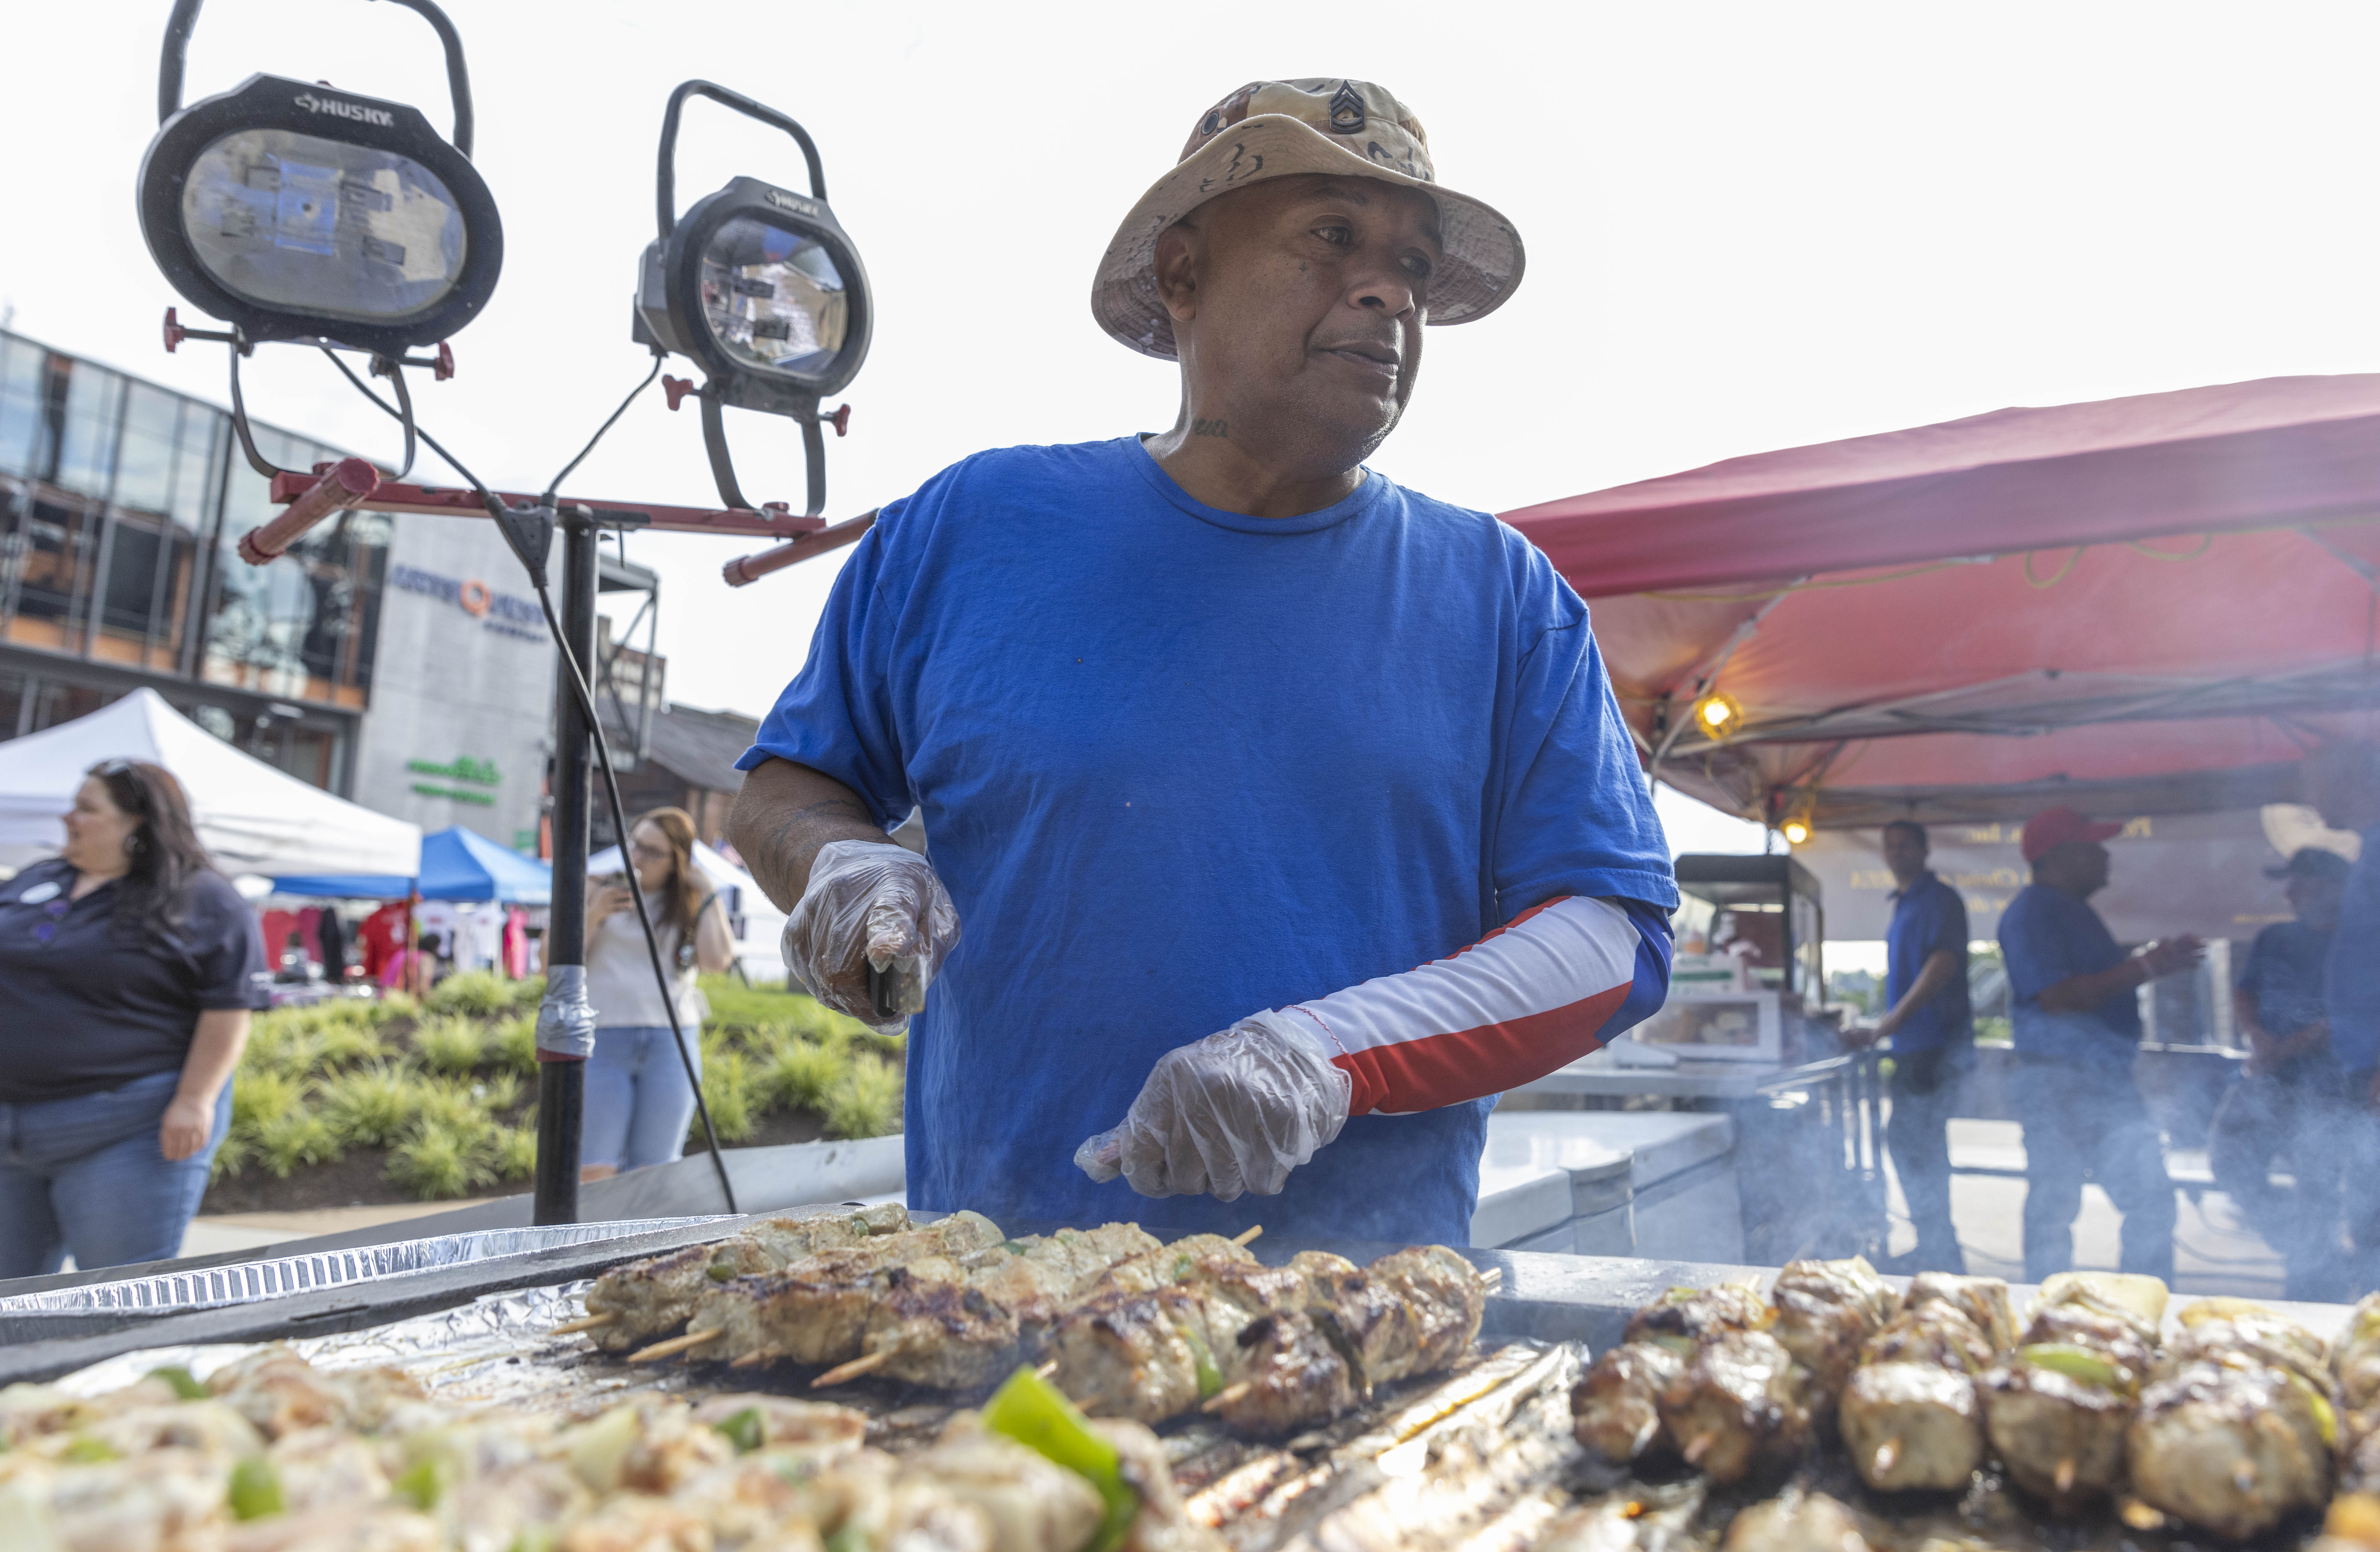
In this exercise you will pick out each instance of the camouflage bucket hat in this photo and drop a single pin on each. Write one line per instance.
(1271, 129)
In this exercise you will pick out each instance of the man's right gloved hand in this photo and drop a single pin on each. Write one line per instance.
(870, 903)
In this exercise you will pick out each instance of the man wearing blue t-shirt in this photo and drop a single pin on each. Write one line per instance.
(1216, 735)
(2342, 782)
(2289, 1097)
(1933, 1035)
(2077, 1026)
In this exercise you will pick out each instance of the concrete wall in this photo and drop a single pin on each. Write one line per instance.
(464, 681)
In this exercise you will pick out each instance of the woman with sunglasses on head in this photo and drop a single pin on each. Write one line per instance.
(128, 967)
(638, 1101)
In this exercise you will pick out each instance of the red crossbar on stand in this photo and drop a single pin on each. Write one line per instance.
(770, 522)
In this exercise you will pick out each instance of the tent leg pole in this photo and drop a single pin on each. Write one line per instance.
(562, 1085)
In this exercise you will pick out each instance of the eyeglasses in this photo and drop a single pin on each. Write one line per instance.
(639, 849)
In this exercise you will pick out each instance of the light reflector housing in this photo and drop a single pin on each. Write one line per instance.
(296, 211)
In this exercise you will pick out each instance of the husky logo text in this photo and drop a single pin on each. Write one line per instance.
(338, 109)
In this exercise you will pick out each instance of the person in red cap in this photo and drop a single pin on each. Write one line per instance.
(2077, 1023)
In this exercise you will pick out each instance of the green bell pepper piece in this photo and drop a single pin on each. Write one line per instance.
(91, 1452)
(2074, 1363)
(1038, 1416)
(745, 1430)
(422, 1484)
(255, 1489)
(185, 1384)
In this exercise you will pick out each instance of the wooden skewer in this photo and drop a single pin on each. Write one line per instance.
(590, 1323)
(2064, 1476)
(1886, 1453)
(1699, 1448)
(752, 1360)
(1227, 1395)
(661, 1349)
(1046, 1370)
(867, 1363)
(1246, 1236)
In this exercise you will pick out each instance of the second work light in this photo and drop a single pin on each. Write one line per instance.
(761, 286)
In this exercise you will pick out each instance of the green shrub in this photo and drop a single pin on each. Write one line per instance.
(435, 1161)
(515, 1152)
(371, 1107)
(450, 1045)
(231, 1154)
(294, 1139)
(497, 1093)
(729, 1090)
(258, 1095)
(395, 1005)
(450, 1104)
(867, 1103)
(512, 1045)
(528, 992)
(801, 1074)
(475, 993)
(277, 1044)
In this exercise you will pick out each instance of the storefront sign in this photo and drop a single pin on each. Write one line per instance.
(504, 613)
(462, 768)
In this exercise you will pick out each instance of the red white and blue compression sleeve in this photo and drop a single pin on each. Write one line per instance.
(1548, 987)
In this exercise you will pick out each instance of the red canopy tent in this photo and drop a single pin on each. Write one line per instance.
(2142, 606)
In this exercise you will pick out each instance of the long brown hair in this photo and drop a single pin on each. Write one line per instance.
(687, 889)
(164, 848)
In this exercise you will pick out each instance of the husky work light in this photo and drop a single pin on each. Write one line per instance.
(761, 286)
(294, 211)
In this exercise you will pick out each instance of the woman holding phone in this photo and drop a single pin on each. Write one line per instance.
(638, 1101)
(127, 969)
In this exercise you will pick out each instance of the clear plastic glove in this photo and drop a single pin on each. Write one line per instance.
(1233, 1112)
(870, 906)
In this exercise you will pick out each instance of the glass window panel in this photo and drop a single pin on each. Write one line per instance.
(145, 468)
(286, 629)
(12, 701)
(86, 443)
(205, 434)
(56, 540)
(133, 559)
(20, 405)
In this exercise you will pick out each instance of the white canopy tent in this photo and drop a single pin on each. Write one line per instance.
(763, 924)
(252, 816)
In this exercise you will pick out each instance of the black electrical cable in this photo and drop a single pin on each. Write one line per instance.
(579, 691)
(553, 484)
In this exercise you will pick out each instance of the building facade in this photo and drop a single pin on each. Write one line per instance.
(401, 663)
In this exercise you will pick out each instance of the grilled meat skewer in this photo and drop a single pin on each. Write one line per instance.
(1826, 1312)
(630, 1305)
(1911, 1417)
(2236, 1429)
(1412, 1312)
(2058, 1408)
(1616, 1406)
(1741, 1407)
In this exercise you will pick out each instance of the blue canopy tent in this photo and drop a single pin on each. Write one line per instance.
(457, 864)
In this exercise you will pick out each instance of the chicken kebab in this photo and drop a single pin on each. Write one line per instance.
(2236, 1429)
(2058, 1408)
(273, 1456)
(1270, 1348)
(1911, 1417)
(633, 1304)
(1728, 1381)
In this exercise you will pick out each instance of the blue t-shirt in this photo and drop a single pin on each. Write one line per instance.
(1928, 919)
(2283, 976)
(2047, 935)
(1178, 766)
(2351, 983)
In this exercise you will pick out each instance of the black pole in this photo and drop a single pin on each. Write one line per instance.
(561, 1084)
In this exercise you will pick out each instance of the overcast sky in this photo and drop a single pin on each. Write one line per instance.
(1749, 226)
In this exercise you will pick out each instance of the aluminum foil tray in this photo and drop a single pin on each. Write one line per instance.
(245, 1282)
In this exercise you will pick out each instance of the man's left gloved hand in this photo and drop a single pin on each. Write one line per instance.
(1232, 1114)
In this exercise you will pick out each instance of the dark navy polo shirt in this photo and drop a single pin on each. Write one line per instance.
(2284, 976)
(1928, 917)
(2351, 986)
(90, 1005)
(2047, 935)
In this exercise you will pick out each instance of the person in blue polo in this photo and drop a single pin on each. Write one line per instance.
(1933, 1035)
(2077, 1026)
(2342, 782)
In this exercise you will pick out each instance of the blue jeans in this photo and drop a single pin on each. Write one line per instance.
(1925, 1089)
(86, 1175)
(638, 1103)
(2090, 1123)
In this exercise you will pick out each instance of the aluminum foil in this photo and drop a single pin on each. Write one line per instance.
(249, 1280)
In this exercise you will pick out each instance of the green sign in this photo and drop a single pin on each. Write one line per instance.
(462, 768)
(460, 795)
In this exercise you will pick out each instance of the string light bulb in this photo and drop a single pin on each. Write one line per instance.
(1716, 713)
(1797, 831)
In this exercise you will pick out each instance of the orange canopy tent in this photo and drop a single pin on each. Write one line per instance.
(2149, 605)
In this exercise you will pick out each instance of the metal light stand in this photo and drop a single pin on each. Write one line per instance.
(562, 1080)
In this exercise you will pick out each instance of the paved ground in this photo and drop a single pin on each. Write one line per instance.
(249, 1230)
(2212, 1253)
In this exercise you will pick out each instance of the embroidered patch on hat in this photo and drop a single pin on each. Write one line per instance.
(1347, 110)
